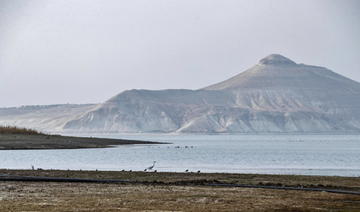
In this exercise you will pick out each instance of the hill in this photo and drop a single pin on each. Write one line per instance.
(275, 95)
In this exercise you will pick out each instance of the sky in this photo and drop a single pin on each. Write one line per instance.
(86, 51)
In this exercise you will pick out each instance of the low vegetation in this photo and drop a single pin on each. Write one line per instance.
(331, 182)
(18, 130)
(56, 196)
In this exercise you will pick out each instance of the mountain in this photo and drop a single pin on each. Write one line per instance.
(42, 117)
(275, 95)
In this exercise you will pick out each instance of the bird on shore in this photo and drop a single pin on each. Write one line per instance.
(150, 167)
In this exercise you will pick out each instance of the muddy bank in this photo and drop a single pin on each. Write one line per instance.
(41, 141)
(197, 179)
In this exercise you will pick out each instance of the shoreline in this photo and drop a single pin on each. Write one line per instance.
(190, 178)
(53, 142)
(211, 183)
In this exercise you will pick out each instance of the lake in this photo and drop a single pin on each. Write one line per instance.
(271, 154)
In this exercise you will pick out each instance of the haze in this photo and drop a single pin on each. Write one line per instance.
(87, 51)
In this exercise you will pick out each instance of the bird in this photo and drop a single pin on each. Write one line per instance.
(150, 167)
(187, 170)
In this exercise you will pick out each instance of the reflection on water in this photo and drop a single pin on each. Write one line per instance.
(273, 154)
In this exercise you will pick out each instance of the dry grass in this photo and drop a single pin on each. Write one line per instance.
(17, 130)
(347, 183)
(21, 196)
(51, 196)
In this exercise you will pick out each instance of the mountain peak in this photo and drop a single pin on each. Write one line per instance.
(276, 59)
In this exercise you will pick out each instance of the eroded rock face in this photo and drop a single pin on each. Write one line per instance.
(276, 95)
(47, 118)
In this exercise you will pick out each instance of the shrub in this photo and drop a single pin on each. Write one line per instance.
(17, 130)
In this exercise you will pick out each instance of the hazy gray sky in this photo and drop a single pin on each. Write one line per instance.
(85, 51)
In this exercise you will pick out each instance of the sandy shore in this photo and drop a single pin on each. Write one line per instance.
(191, 196)
(20, 141)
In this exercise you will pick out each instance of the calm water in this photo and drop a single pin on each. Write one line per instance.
(273, 154)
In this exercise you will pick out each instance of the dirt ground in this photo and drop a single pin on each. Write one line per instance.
(54, 196)
(30, 196)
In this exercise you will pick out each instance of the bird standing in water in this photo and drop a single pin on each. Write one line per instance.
(150, 167)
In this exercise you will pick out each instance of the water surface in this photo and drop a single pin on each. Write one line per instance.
(272, 154)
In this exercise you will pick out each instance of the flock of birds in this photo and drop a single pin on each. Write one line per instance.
(153, 165)
(150, 168)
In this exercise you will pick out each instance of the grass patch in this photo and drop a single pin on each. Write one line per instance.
(59, 197)
(18, 130)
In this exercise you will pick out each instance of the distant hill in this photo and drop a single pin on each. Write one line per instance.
(42, 117)
(275, 95)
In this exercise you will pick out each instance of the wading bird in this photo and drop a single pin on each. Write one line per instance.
(150, 167)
